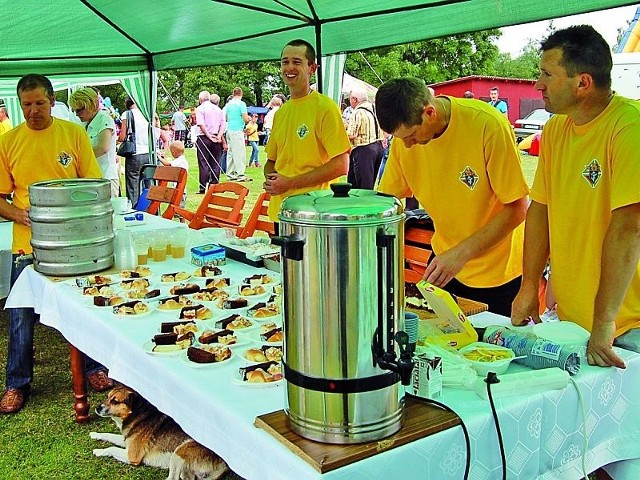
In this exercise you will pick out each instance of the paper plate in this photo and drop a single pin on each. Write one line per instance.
(148, 348)
(150, 308)
(564, 333)
(185, 359)
(236, 379)
(173, 282)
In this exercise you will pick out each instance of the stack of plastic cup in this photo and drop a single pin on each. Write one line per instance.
(411, 322)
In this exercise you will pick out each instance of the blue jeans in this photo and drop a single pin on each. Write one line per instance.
(20, 349)
(223, 162)
(254, 152)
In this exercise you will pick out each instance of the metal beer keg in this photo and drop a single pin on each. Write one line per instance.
(71, 226)
(342, 279)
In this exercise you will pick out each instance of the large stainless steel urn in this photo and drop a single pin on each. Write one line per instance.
(342, 287)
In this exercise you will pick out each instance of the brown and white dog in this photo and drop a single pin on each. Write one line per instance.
(151, 438)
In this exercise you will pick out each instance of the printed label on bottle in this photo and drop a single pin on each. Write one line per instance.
(546, 349)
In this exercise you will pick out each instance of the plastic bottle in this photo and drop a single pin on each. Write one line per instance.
(539, 353)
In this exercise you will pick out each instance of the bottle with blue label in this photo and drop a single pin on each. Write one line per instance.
(538, 352)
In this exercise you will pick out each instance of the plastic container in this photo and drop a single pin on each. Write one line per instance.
(482, 368)
(124, 251)
(210, 254)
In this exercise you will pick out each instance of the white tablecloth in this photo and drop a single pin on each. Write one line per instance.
(6, 235)
(543, 433)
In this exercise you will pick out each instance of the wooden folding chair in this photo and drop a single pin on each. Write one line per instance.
(258, 218)
(168, 188)
(221, 206)
(417, 251)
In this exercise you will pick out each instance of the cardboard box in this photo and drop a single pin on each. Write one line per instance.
(209, 254)
(450, 324)
(426, 377)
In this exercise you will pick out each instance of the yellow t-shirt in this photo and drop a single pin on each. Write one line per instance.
(5, 126)
(252, 132)
(463, 179)
(307, 133)
(584, 173)
(27, 156)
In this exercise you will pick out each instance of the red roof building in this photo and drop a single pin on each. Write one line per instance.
(519, 94)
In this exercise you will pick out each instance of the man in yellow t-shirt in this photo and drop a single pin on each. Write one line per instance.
(42, 148)
(585, 207)
(308, 148)
(458, 158)
(5, 122)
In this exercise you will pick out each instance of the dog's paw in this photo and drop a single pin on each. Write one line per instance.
(94, 435)
(100, 452)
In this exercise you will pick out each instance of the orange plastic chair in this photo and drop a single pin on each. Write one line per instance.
(258, 218)
(221, 206)
(168, 188)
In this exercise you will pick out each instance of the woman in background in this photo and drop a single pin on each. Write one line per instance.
(102, 132)
(133, 163)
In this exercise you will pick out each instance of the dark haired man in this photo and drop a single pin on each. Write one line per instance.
(308, 147)
(42, 148)
(585, 209)
(501, 105)
(458, 158)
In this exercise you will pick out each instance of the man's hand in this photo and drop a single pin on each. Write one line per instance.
(525, 308)
(443, 268)
(600, 349)
(277, 184)
(22, 217)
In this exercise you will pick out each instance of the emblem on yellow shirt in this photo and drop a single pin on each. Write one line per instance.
(302, 131)
(64, 159)
(469, 177)
(592, 172)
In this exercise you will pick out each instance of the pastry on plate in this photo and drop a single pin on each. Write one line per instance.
(210, 294)
(208, 271)
(140, 271)
(184, 289)
(174, 277)
(218, 282)
(131, 308)
(208, 353)
(134, 284)
(174, 303)
(171, 342)
(199, 312)
(225, 337)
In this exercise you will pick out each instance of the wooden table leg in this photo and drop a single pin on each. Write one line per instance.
(81, 402)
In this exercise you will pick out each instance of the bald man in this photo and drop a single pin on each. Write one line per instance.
(364, 135)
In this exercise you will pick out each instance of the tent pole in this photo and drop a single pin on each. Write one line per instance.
(152, 110)
(319, 72)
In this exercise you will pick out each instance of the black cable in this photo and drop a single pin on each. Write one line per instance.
(491, 379)
(467, 442)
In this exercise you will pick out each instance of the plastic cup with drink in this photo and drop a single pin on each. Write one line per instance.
(178, 242)
(159, 242)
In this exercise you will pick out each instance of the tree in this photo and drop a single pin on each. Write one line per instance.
(523, 66)
(433, 60)
(181, 86)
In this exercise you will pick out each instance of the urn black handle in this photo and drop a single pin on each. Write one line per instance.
(292, 246)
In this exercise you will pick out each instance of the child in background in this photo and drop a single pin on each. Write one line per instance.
(179, 160)
(251, 131)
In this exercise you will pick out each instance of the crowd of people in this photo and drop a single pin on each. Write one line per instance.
(493, 236)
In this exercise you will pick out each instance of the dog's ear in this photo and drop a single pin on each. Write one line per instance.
(134, 401)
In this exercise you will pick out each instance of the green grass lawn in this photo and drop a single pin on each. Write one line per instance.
(43, 441)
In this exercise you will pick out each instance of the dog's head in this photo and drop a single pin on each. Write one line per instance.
(121, 402)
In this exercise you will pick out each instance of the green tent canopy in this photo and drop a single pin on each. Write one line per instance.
(140, 37)
(113, 36)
